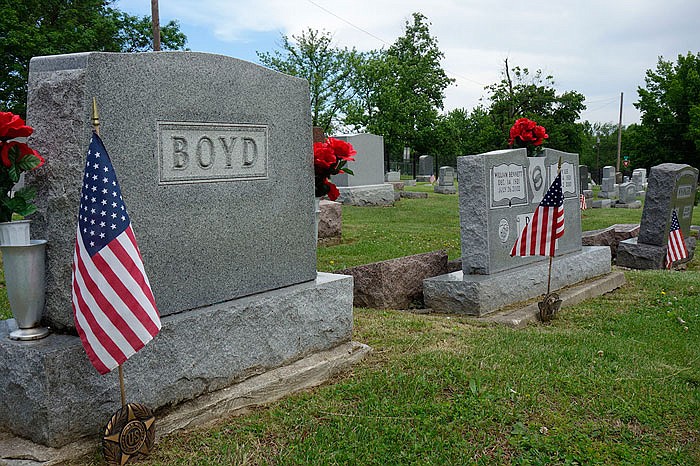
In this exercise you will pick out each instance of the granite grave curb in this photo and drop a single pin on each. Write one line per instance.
(231, 401)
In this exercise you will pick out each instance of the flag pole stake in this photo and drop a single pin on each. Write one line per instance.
(551, 303)
(121, 385)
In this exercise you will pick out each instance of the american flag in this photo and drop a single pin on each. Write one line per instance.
(114, 309)
(676, 245)
(539, 237)
(582, 199)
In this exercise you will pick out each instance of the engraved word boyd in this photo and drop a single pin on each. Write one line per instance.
(192, 152)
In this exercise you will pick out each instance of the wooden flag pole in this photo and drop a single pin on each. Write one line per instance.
(96, 125)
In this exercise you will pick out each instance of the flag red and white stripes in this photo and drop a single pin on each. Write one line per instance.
(676, 245)
(114, 308)
(582, 199)
(539, 237)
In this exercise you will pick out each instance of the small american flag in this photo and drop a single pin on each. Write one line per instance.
(582, 199)
(114, 309)
(539, 237)
(676, 245)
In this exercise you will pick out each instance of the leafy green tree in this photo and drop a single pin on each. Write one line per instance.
(328, 70)
(402, 90)
(30, 28)
(521, 94)
(460, 133)
(670, 108)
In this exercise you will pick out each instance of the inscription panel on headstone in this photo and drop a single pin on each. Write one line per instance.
(193, 152)
(508, 185)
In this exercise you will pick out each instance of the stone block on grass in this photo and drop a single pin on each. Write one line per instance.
(395, 283)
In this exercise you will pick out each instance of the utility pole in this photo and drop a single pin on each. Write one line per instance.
(597, 160)
(155, 19)
(619, 136)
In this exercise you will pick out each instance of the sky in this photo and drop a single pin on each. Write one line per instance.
(598, 48)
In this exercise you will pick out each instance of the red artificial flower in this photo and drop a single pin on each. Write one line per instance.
(24, 150)
(13, 126)
(527, 131)
(333, 192)
(324, 158)
(343, 150)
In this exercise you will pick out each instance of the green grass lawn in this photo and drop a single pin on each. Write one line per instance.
(612, 381)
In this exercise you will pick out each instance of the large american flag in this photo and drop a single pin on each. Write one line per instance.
(114, 309)
(539, 237)
(676, 245)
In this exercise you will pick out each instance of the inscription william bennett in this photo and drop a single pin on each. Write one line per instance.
(190, 152)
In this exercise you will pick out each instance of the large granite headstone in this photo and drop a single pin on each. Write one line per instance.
(425, 168)
(214, 159)
(366, 187)
(446, 181)
(498, 194)
(671, 186)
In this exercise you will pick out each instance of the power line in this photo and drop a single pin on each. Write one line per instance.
(382, 40)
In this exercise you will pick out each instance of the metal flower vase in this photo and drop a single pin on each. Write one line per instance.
(14, 233)
(25, 284)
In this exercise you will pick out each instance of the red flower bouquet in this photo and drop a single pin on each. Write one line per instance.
(527, 132)
(15, 157)
(331, 158)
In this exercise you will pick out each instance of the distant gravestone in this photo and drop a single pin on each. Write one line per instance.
(446, 181)
(366, 187)
(498, 193)
(608, 185)
(639, 178)
(671, 187)
(393, 176)
(425, 168)
(583, 177)
(628, 196)
(213, 155)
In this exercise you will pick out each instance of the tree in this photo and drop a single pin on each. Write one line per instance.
(30, 28)
(403, 90)
(328, 70)
(670, 108)
(460, 133)
(533, 96)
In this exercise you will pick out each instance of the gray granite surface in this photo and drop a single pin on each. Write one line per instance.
(205, 238)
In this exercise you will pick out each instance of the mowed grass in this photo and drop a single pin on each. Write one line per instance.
(613, 381)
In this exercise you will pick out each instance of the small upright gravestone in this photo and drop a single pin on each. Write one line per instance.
(583, 177)
(628, 197)
(393, 176)
(608, 185)
(671, 188)
(446, 181)
(498, 194)
(425, 168)
(366, 187)
(214, 159)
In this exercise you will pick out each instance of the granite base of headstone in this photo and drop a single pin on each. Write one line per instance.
(212, 155)
(424, 178)
(409, 182)
(602, 204)
(377, 195)
(498, 193)
(479, 295)
(671, 187)
(636, 204)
